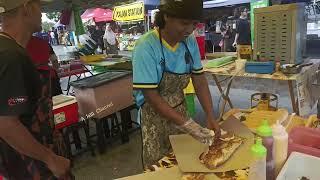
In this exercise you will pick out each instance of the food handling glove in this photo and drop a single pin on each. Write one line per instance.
(201, 134)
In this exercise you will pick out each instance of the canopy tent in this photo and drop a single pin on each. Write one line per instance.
(58, 5)
(58, 24)
(97, 14)
(220, 3)
(151, 4)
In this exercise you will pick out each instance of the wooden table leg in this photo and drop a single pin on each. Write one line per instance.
(102, 144)
(225, 101)
(66, 137)
(68, 86)
(294, 103)
(86, 127)
(225, 97)
(125, 118)
(76, 138)
(298, 109)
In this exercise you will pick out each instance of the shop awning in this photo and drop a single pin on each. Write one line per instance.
(152, 2)
(58, 24)
(58, 5)
(97, 14)
(220, 3)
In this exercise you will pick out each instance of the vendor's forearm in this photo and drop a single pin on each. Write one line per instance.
(18, 137)
(201, 86)
(153, 97)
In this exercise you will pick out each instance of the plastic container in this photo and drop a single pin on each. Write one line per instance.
(265, 132)
(93, 58)
(280, 146)
(244, 52)
(189, 93)
(305, 140)
(201, 37)
(260, 67)
(258, 166)
(240, 65)
(190, 88)
(99, 69)
(65, 110)
(191, 108)
(300, 165)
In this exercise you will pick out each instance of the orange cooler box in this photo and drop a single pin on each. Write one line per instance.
(65, 110)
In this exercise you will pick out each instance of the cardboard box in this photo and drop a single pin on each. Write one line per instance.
(188, 150)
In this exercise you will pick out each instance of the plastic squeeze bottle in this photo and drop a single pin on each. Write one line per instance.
(280, 146)
(258, 166)
(265, 132)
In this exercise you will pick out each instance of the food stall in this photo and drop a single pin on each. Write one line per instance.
(130, 13)
(103, 95)
(179, 164)
(136, 20)
(294, 136)
(271, 52)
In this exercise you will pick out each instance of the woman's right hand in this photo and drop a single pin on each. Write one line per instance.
(201, 134)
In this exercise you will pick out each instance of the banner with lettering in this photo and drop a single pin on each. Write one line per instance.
(130, 12)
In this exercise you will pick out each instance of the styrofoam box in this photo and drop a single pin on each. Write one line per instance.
(300, 165)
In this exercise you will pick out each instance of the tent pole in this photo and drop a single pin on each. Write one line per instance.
(148, 22)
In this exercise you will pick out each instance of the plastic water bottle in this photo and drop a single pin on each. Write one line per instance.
(265, 132)
(280, 146)
(258, 167)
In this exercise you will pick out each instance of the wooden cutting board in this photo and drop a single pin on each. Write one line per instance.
(165, 174)
(188, 150)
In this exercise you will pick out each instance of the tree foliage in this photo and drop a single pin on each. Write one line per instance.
(55, 16)
(46, 26)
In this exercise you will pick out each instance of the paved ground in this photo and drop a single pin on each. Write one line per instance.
(123, 160)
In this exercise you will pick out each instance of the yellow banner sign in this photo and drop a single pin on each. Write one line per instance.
(130, 12)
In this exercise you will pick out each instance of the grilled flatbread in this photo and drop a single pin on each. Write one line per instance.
(194, 176)
(221, 151)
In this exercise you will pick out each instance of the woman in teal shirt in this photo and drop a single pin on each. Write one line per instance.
(164, 60)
